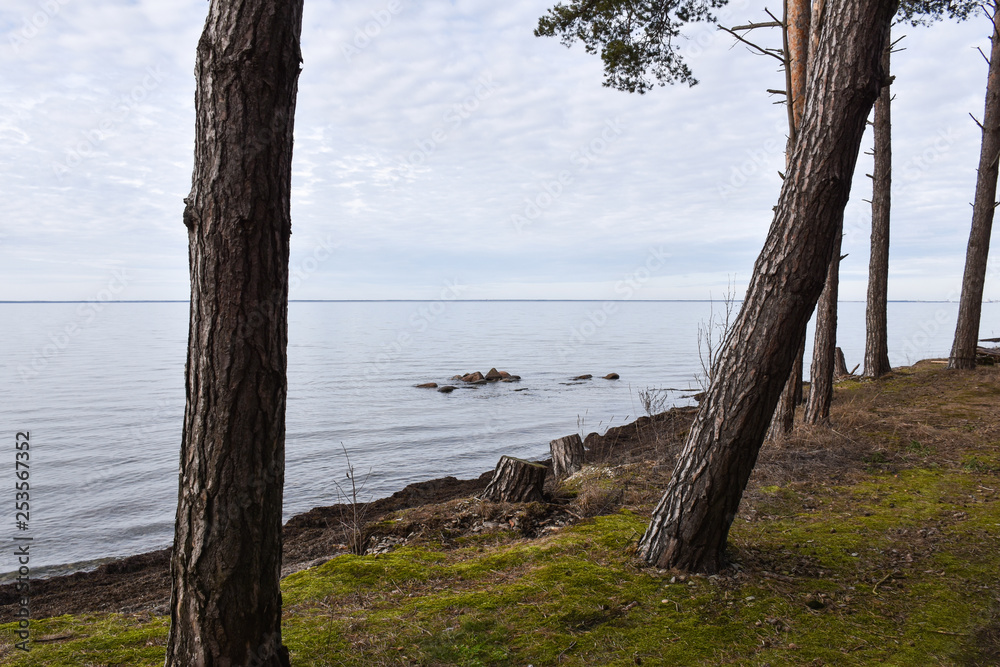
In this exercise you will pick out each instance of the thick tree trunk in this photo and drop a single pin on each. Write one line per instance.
(690, 525)
(225, 607)
(515, 481)
(963, 351)
(567, 455)
(876, 320)
(825, 345)
(783, 420)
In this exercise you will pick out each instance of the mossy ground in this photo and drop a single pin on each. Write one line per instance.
(875, 543)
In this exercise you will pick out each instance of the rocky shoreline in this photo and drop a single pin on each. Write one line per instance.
(141, 583)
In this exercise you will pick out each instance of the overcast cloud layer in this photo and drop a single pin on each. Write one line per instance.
(441, 143)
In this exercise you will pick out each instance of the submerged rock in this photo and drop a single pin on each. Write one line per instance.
(611, 376)
(428, 385)
(582, 377)
(447, 389)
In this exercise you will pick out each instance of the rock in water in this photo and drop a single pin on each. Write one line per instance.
(493, 375)
(428, 385)
(473, 377)
(447, 389)
(611, 376)
(582, 377)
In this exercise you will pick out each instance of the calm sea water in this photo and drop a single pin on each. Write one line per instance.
(101, 390)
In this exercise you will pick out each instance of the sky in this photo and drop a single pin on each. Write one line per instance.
(442, 150)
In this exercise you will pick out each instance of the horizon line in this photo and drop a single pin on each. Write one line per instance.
(27, 301)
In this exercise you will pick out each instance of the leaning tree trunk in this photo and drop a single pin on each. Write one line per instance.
(876, 318)
(690, 525)
(825, 344)
(963, 351)
(225, 607)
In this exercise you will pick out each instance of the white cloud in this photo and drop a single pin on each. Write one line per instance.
(420, 142)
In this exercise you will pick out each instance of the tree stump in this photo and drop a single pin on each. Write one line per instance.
(840, 365)
(567, 455)
(515, 481)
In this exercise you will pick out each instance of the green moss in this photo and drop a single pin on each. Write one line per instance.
(72, 641)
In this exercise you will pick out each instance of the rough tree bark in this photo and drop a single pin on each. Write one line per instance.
(876, 320)
(824, 359)
(515, 481)
(963, 351)
(567, 455)
(225, 607)
(796, 31)
(690, 525)
(797, 18)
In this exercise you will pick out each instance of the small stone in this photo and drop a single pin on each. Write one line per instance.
(447, 389)
(582, 377)
(428, 385)
(612, 376)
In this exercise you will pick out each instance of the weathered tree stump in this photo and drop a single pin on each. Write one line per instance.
(515, 481)
(840, 365)
(567, 455)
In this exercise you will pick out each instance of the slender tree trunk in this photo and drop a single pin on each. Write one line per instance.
(876, 320)
(963, 351)
(797, 19)
(783, 420)
(796, 32)
(690, 525)
(225, 607)
(825, 344)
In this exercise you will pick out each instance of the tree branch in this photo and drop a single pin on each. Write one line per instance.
(764, 51)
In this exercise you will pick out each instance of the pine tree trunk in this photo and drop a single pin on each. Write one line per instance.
(963, 351)
(690, 525)
(515, 481)
(567, 455)
(783, 420)
(796, 32)
(797, 17)
(876, 320)
(225, 607)
(825, 345)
